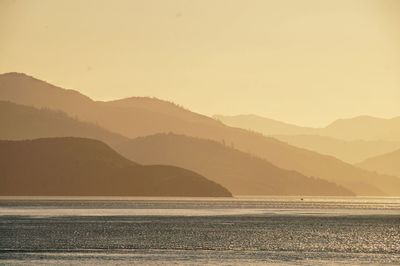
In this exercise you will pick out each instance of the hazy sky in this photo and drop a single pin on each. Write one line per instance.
(301, 61)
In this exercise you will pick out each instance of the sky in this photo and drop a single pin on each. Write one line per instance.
(305, 62)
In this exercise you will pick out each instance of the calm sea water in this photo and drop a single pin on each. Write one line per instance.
(172, 231)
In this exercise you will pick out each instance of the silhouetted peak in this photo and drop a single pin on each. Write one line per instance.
(149, 101)
(357, 119)
(16, 80)
(16, 75)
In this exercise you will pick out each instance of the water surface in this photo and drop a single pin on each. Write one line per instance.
(244, 230)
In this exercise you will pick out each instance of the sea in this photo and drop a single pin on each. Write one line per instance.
(200, 231)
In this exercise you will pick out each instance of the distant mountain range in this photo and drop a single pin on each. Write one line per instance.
(134, 117)
(239, 172)
(84, 167)
(351, 140)
(264, 125)
(349, 151)
(388, 163)
(357, 128)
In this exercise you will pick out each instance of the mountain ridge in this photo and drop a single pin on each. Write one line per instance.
(349, 151)
(387, 163)
(336, 129)
(19, 122)
(134, 122)
(239, 172)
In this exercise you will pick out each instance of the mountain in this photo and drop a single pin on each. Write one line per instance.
(19, 122)
(388, 163)
(350, 140)
(365, 128)
(84, 167)
(264, 125)
(22, 122)
(132, 117)
(348, 151)
(129, 118)
(239, 172)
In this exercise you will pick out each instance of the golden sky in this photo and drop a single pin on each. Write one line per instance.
(302, 61)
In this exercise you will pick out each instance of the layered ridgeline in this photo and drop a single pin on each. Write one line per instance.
(357, 128)
(239, 172)
(351, 140)
(18, 122)
(84, 167)
(264, 125)
(351, 151)
(135, 117)
(388, 163)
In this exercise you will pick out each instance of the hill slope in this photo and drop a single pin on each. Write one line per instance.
(84, 167)
(239, 172)
(19, 122)
(388, 163)
(127, 118)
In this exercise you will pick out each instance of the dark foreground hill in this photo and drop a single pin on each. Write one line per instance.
(239, 172)
(84, 167)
